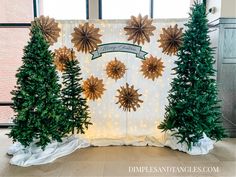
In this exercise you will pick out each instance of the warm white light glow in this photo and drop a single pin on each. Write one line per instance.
(65, 9)
(171, 8)
(123, 9)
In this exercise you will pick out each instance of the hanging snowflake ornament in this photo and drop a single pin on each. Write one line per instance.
(115, 69)
(49, 28)
(93, 88)
(86, 37)
(171, 40)
(139, 29)
(62, 55)
(128, 98)
(152, 67)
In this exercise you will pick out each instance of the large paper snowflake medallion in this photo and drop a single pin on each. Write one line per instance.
(115, 69)
(139, 29)
(152, 68)
(49, 28)
(171, 40)
(62, 55)
(86, 37)
(93, 88)
(128, 98)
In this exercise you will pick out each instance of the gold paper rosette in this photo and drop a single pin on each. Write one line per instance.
(115, 69)
(61, 56)
(152, 67)
(49, 28)
(86, 37)
(139, 29)
(128, 98)
(171, 40)
(93, 88)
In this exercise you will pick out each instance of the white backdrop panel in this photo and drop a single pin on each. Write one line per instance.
(109, 121)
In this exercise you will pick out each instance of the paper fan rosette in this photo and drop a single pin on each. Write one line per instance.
(93, 88)
(139, 29)
(128, 98)
(49, 28)
(61, 56)
(86, 38)
(171, 39)
(152, 68)
(115, 69)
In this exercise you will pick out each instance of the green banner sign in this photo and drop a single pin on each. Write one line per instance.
(119, 47)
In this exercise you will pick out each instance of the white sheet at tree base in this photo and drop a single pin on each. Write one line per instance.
(203, 146)
(34, 155)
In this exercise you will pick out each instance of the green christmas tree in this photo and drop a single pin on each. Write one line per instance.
(77, 112)
(36, 98)
(193, 99)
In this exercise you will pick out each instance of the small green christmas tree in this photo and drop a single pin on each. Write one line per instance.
(193, 99)
(36, 98)
(77, 112)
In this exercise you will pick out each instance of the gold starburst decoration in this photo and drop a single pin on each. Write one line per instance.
(139, 29)
(128, 98)
(93, 88)
(115, 69)
(86, 37)
(49, 28)
(152, 68)
(171, 40)
(62, 55)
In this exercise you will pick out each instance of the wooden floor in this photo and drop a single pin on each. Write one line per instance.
(128, 161)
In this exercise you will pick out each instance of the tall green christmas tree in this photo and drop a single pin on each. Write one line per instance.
(193, 99)
(36, 98)
(77, 112)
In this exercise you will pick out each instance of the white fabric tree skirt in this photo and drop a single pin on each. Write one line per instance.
(34, 155)
(203, 146)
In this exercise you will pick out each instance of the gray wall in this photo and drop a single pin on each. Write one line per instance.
(223, 37)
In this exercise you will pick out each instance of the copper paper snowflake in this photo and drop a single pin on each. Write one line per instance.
(139, 29)
(115, 69)
(152, 68)
(93, 88)
(171, 40)
(128, 98)
(49, 28)
(61, 56)
(86, 38)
